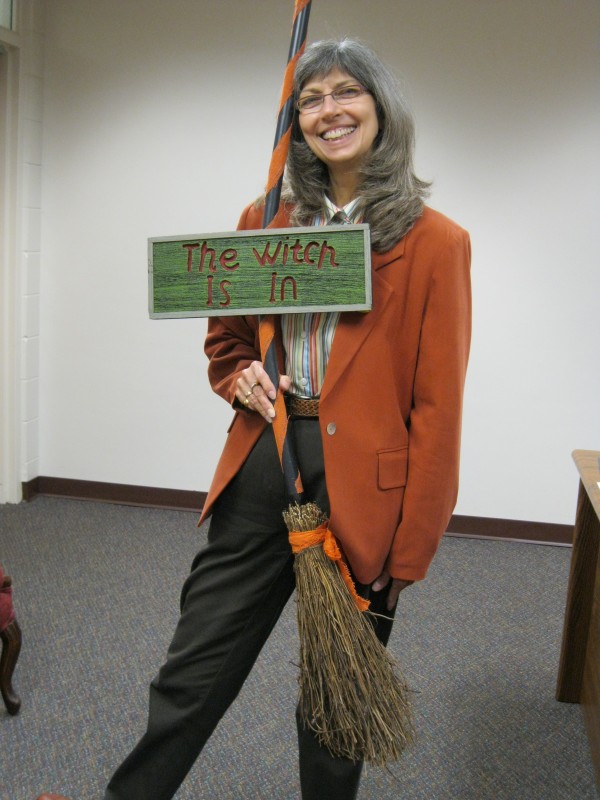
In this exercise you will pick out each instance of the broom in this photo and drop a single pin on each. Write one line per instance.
(352, 695)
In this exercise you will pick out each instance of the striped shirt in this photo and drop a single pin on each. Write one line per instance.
(307, 338)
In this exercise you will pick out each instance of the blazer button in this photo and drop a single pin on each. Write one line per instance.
(331, 428)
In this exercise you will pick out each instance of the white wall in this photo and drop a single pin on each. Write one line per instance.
(31, 21)
(21, 100)
(159, 119)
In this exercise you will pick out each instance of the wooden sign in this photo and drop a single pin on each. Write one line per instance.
(271, 271)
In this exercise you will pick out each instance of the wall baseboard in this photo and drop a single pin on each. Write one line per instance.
(183, 500)
(125, 494)
(510, 529)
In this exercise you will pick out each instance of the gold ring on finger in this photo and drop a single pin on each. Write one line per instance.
(254, 385)
(246, 401)
(248, 393)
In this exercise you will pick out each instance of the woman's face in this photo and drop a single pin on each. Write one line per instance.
(339, 135)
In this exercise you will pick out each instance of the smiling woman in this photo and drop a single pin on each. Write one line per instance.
(380, 393)
(374, 401)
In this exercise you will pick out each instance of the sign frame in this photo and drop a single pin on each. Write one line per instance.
(317, 244)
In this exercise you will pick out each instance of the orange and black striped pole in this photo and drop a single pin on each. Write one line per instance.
(286, 111)
(268, 350)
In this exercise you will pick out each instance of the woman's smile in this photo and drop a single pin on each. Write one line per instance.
(335, 134)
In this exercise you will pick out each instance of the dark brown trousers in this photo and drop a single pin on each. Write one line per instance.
(234, 595)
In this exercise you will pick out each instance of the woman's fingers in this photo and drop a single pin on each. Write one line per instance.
(284, 383)
(256, 392)
(397, 585)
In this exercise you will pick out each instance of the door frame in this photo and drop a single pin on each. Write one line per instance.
(10, 283)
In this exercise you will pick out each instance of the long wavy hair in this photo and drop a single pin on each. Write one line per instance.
(391, 195)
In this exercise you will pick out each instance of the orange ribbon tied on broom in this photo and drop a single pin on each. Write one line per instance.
(300, 540)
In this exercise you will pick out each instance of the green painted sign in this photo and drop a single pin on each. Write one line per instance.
(260, 272)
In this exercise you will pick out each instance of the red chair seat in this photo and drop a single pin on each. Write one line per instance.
(10, 634)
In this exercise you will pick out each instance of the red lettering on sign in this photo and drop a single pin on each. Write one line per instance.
(190, 249)
(266, 256)
(227, 259)
(288, 280)
(324, 249)
(295, 251)
(307, 249)
(207, 251)
(273, 282)
(225, 293)
(294, 287)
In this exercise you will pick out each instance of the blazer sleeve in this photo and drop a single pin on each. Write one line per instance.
(232, 342)
(435, 418)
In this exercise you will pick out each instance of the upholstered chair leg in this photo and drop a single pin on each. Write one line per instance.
(11, 647)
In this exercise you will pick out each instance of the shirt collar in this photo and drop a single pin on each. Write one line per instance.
(331, 209)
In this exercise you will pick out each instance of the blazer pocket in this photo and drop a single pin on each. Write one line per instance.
(392, 468)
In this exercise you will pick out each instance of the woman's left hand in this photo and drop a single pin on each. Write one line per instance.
(397, 586)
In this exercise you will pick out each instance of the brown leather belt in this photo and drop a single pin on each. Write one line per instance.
(302, 406)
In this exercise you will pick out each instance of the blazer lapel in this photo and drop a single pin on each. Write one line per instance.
(379, 260)
(352, 329)
(354, 326)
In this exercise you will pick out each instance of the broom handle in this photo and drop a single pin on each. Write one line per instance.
(286, 111)
(268, 344)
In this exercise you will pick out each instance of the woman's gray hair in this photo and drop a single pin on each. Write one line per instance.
(391, 195)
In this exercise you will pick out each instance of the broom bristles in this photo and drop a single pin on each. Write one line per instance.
(352, 694)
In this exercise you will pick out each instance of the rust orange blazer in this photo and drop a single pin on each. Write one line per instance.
(391, 403)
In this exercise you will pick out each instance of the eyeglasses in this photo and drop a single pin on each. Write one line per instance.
(344, 95)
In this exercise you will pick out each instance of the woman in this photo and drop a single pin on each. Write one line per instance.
(375, 406)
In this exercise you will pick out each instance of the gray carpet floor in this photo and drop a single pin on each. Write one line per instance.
(96, 594)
